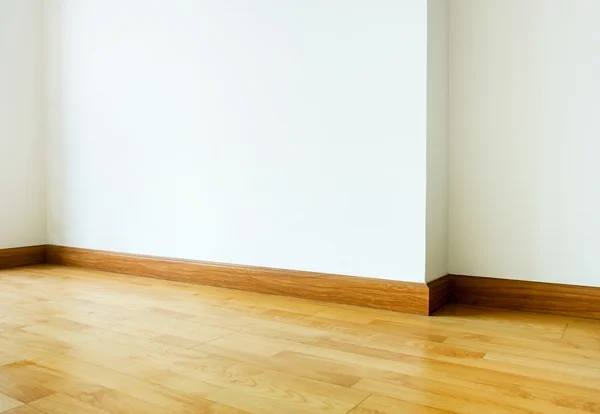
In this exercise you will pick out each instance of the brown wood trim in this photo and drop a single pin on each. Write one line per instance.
(376, 293)
(440, 293)
(418, 298)
(22, 256)
(557, 299)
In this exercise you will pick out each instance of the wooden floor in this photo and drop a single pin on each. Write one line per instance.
(79, 341)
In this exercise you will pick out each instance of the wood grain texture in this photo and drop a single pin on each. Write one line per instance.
(375, 293)
(84, 341)
(557, 299)
(417, 298)
(22, 256)
(440, 293)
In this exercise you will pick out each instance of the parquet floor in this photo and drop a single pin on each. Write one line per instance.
(81, 341)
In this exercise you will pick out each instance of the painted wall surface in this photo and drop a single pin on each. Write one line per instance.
(22, 194)
(283, 134)
(437, 140)
(524, 139)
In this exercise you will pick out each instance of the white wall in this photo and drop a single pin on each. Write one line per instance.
(22, 194)
(293, 134)
(286, 134)
(437, 140)
(525, 139)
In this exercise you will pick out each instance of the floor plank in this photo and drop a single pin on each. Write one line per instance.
(81, 341)
(379, 404)
(7, 403)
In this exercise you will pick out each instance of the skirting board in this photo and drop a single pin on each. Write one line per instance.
(556, 299)
(417, 298)
(376, 293)
(22, 256)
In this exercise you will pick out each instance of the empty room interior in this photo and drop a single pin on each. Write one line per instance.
(299, 206)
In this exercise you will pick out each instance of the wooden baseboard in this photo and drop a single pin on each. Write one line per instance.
(440, 293)
(557, 299)
(22, 256)
(376, 293)
(418, 298)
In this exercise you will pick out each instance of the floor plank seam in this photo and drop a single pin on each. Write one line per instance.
(359, 403)
(210, 340)
(565, 330)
